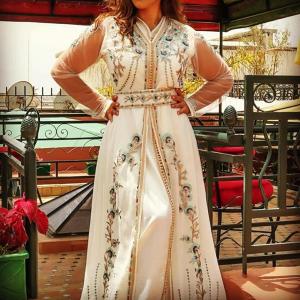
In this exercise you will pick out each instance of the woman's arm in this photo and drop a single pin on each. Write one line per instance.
(79, 56)
(209, 65)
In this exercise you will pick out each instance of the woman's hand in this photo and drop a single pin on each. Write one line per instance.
(178, 102)
(113, 109)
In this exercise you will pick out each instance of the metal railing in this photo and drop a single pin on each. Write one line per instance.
(54, 129)
(265, 92)
(274, 131)
(24, 98)
(20, 158)
(65, 133)
(60, 133)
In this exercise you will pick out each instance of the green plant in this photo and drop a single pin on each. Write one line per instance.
(259, 53)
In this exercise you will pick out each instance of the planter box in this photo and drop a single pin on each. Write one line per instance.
(12, 276)
(91, 168)
(43, 169)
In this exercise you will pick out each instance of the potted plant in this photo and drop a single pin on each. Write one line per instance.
(13, 238)
(91, 165)
(42, 169)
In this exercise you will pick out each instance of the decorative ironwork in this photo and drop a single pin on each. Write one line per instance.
(56, 132)
(264, 92)
(277, 138)
(238, 90)
(62, 102)
(267, 92)
(266, 163)
(9, 132)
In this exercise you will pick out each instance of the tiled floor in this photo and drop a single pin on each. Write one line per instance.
(61, 274)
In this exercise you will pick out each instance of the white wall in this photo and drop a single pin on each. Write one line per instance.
(28, 50)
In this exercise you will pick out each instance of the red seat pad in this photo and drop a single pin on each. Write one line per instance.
(231, 192)
(231, 150)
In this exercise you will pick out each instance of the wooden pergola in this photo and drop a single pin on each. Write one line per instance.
(210, 15)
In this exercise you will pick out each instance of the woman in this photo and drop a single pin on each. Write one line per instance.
(150, 234)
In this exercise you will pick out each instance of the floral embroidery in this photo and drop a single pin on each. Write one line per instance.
(116, 57)
(191, 213)
(113, 212)
(137, 53)
(170, 145)
(133, 147)
(174, 39)
(183, 62)
(139, 45)
(173, 43)
(145, 97)
(120, 62)
(116, 53)
(126, 59)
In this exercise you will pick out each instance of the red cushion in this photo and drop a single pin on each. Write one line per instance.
(231, 150)
(231, 192)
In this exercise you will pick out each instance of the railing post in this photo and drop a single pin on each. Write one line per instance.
(28, 131)
(5, 177)
(209, 185)
(248, 167)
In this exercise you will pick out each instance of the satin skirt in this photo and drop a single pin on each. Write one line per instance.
(150, 235)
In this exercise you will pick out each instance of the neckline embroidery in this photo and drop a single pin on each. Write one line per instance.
(147, 34)
(144, 24)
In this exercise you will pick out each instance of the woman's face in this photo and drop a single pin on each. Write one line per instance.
(144, 4)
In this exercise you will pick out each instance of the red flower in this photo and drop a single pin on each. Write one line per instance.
(41, 221)
(13, 235)
(27, 208)
(3, 211)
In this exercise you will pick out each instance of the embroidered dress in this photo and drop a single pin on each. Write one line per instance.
(150, 235)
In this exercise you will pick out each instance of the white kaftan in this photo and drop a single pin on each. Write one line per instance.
(150, 235)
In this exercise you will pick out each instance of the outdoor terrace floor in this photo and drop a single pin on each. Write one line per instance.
(61, 274)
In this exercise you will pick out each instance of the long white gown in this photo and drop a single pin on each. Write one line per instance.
(150, 235)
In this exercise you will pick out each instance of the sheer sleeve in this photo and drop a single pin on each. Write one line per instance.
(210, 66)
(84, 52)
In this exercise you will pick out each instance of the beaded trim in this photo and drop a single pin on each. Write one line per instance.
(145, 105)
(155, 97)
(150, 119)
(149, 97)
(164, 172)
(146, 91)
(151, 54)
(134, 251)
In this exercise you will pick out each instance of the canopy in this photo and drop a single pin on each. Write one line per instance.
(201, 14)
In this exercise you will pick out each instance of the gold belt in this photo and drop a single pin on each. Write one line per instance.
(150, 97)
